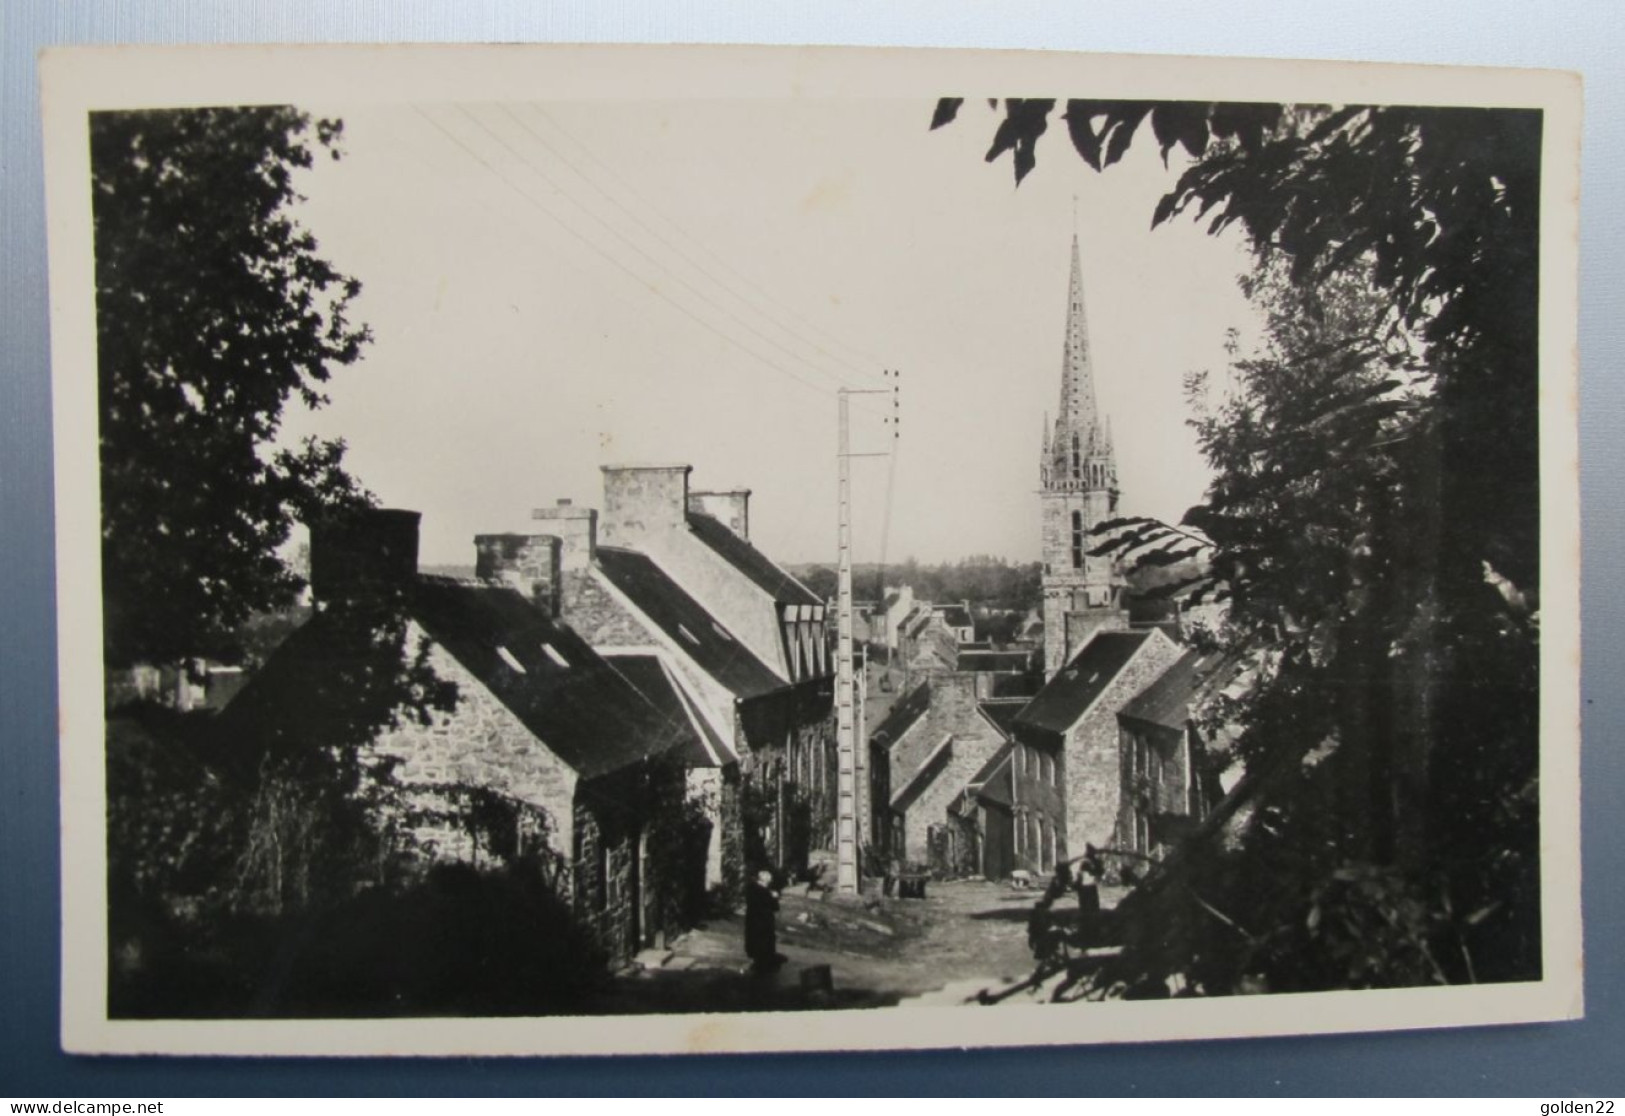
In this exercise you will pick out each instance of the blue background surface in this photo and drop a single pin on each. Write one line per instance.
(1549, 1061)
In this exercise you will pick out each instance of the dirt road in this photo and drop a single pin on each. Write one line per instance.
(964, 937)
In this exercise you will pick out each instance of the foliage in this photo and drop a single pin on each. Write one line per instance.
(213, 311)
(457, 941)
(1443, 203)
(1375, 506)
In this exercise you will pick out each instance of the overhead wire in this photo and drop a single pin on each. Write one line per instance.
(823, 390)
(863, 357)
(639, 249)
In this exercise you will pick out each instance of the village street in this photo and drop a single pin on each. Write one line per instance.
(965, 937)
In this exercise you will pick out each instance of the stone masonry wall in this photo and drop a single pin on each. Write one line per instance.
(971, 748)
(1092, 771)
(1151, 786)
(605, 881)
(479, 744)
(1037, 796)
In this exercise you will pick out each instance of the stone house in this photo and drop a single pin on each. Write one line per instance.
(988, 803)
(1168, 783)
(672, 574)
(1067, 764)
(929, 747)
(956, 618)
(531, 748)
(895, 607)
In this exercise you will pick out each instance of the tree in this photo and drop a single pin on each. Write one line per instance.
(1443, 202)
(1375, 505)
(213, 311)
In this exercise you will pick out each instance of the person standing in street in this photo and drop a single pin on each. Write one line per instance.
(761, 923)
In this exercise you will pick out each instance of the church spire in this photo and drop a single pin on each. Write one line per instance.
(1077, 414)
(1077, 453)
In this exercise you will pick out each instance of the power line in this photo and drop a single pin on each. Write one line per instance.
(639, 249)
(819, 389)
(863, 356)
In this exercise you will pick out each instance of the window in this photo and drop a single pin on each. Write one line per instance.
(553, 653)
(1077, 540)
(1045, 860)
(1076, 458)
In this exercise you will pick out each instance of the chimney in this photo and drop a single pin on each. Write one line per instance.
(730, 507)
(370, 552)
(528, 564)
(577, 532)
(641, 501)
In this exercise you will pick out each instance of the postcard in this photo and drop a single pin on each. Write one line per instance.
(609, 550)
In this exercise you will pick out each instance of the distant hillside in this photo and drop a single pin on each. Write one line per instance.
(447, 571)
(983, 580)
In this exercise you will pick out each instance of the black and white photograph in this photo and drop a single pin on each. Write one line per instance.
(761, 540)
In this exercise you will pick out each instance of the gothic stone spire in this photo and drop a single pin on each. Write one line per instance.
(1078, 435)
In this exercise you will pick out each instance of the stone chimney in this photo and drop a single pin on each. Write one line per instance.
(528, 564)
(730, 507)
(577, 532)
(365, 553)
(643, 501)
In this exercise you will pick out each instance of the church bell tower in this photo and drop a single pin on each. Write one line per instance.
(1078, 490)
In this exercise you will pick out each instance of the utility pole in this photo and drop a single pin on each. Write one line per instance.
(848, 761)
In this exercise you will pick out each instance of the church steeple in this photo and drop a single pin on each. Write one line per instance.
(1078, 489)
(1077, 456)
(1077, 411)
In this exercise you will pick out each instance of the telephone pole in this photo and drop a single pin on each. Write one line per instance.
(849, 763)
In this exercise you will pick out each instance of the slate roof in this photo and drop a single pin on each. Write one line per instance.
(995, 662)
(751, 562)
(716, 650)
(1003, 713)
(992, 782)
(902, 715)
(573, 701)
(1075, 686)
(925, 774)
(582, 709)
(1167, 701)
(651, 679)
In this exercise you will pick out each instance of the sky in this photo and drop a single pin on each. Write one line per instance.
(555, 287)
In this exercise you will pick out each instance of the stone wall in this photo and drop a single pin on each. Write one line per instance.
(605, 880)
(1156, 778)
(791, 735)
(576, 528)
(480, 744)
(1038, 785)
(1093, 774)
(968, 752)
(953, 711)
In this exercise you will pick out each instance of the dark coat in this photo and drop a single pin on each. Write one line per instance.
(761, 922)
